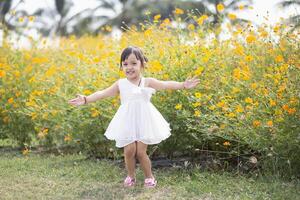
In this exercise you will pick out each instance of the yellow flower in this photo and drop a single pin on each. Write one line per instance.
(264, 34)
(231, 16)
(198, 95)
(197, 113)
(221, 104)
(25, 151)
(178, 106)
(191, 27)
(21, 19)
(95, 112)
(235, 90)
(166, 22)
(231, 115)
(148, 32)
(239, 109)
(256, 123)
(248, 58)
(248, 100)
(213, 107)
(276, 29)
(241, 7)
(250, 39)
(33, 115)
(155, 66)
(201, 19)
(178, 11)
(43, 133)
(253, 86)
(220, 7)
(196, 104)
(87, 92)
(198, 71)
(222, 126)
(272, 102)
(166, 76)
(157, 17)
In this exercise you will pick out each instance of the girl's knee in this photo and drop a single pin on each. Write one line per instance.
(130, 150)
(141, 150)
(141, 154)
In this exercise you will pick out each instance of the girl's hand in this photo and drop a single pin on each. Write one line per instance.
(191, 83)
(78, 101)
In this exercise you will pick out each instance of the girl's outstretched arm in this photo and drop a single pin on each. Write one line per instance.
(173, 85)
(108, 92)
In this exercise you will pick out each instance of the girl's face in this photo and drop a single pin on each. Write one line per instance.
(132, 67)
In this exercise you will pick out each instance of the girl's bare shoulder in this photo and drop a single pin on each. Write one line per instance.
(148, 81)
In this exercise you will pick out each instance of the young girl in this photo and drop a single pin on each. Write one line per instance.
(137, 123)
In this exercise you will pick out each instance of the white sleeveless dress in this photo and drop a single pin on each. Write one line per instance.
(137, 119)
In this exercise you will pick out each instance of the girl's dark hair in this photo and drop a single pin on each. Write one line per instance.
(137, 52)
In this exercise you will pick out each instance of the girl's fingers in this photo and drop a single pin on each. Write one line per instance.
(73, 100)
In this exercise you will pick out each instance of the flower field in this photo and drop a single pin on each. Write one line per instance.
(246, 105)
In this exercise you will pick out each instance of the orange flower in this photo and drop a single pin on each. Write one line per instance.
(2, 73)
(285, 107)
(10, 100)
(291, 110)
(269, 123)
(226, 143)
(31, 18)
(256, 123)
(279, 58)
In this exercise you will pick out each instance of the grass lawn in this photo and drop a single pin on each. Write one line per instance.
(48, 176)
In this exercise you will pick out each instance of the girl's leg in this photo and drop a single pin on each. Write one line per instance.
(129, 154)
(144, 159)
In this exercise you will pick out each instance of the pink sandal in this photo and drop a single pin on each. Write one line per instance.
(150, 182)
(128, 182)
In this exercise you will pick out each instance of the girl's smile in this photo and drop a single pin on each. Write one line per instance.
(132, 67)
